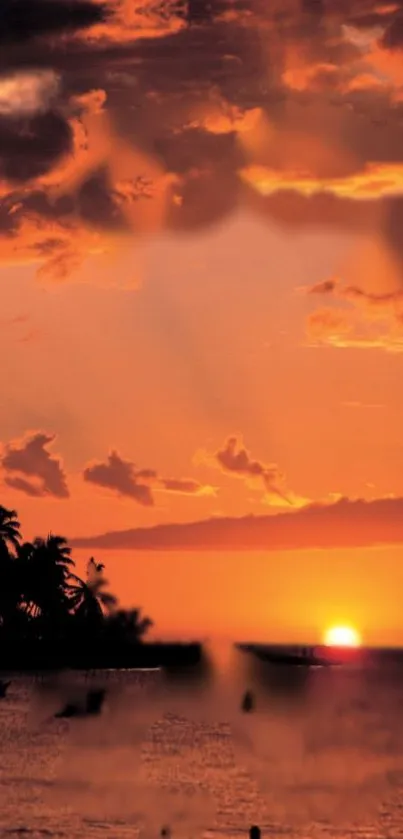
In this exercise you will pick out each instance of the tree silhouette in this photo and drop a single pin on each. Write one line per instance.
(43, 600)
(128, 625)
(48, 567)
(89, 600)
(9, 543)
(10, 535)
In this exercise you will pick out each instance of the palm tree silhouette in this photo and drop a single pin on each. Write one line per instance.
(88, 598)
(10, 535)
(47, 571)
(9, 586)
(45, 603)
(127, 625)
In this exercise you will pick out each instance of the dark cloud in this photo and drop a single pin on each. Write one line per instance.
(367, 15)
(30, 147)
(195, 149)
(204, 198)
(200, 11)
(96, 203)
(122, 477)
(355, 294)
(294, 211)
(391, 227)
(163, 93)
(344, 524)
(393, 35)
(186, 486)
(30, 457)
(92, 202)
(225, 56)
(313, 7)
(24, 486)
(23, 20)
(323, 287)
(126, 479)
(235, 459)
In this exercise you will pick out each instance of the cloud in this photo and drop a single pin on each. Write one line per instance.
(24, 486)
(185, 486)
(122, 477)
(329, 325)
(30, 457)
(127, 480)
(71, 189)
(344, 524)
(25, 94)
(375, 181)
(393, 35)
(370, 320)
(314, 78)
(29, 150)
(291, 109)
(126, 21)
(25, 20)
(234, 459)
(383, 302)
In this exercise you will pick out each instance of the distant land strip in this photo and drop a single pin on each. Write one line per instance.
(346, 523)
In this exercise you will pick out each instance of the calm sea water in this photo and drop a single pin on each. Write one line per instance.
(322, 758)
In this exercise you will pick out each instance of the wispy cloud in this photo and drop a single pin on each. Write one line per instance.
(366, 320)
(232, 458)
(375, 181)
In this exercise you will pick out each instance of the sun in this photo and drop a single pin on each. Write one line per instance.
(342, 636)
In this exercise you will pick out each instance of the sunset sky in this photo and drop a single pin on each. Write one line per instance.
(201, 257)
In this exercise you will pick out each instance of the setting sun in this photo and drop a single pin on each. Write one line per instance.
(342, 636)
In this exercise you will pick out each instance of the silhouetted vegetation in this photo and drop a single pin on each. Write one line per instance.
(48, 613)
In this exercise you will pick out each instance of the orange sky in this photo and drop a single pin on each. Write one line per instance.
(241, 280)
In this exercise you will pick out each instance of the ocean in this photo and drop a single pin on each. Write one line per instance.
(322, 755)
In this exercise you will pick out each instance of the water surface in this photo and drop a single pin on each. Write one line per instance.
(323, 758)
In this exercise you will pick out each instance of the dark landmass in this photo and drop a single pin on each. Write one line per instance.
(175, 658)
(284, 655)
(322, 656)
(342, 524)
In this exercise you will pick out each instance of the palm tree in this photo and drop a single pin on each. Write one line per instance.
(9, 586)
(26, 558)
(57, 550)
(42, 599)
(10, 536)
(127, 626)
(47, 574)
(88, 599)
